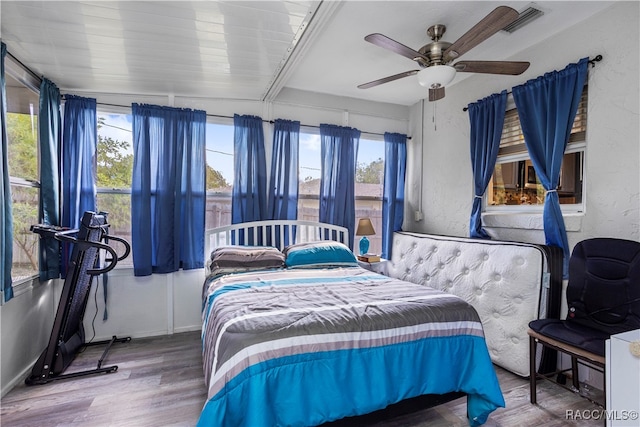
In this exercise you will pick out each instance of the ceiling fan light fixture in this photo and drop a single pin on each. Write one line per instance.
(436, 76)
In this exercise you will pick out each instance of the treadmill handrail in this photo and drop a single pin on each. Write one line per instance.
(66, 236)
(126, 244)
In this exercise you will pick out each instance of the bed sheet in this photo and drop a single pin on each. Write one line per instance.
(300, 347)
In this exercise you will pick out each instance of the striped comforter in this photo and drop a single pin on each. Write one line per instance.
(305, 346)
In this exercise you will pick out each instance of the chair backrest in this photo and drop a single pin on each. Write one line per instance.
(604, 284)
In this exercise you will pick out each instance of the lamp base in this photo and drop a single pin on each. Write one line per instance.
(364, 245)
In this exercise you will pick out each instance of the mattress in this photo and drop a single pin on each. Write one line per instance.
(301, 347)
(508, 283)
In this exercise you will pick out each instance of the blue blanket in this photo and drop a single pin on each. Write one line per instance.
(303, 347)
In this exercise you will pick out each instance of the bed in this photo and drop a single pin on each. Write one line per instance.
(296, 333)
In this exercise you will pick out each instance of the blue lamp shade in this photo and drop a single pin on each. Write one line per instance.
(365, 228)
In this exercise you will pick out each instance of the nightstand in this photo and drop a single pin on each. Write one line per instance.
(376, 267)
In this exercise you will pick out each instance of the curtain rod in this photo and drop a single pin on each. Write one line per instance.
(318, 127)
(593, 61)
(303, 125)
(231, 117)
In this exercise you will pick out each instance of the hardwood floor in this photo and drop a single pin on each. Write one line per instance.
(159, 382)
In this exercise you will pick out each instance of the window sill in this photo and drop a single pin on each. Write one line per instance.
(120, 271)
(22, 287)
(528, 221)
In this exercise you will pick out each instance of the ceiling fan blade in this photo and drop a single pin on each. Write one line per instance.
(387, 79)
(392, 45)
(499, 18)
(513, 68)
(436, 94)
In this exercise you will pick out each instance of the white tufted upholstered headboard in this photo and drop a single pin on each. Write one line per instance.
(508, 283)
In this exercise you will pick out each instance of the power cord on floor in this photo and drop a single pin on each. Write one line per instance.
(93, 322)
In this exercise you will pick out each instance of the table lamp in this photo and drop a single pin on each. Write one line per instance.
(365, 228)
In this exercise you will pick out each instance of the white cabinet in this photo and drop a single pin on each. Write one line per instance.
(623, 379)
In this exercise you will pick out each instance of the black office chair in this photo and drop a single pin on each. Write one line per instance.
(603, 299)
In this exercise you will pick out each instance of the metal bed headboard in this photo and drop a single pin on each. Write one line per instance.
(278, 233)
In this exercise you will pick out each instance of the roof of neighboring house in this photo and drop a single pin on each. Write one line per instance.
(312, 187)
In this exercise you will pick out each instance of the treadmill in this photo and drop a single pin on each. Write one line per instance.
(67, 335)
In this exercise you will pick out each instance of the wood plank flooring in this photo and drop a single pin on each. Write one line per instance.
(159, 382)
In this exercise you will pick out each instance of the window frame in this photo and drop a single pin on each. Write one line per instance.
(217, 193)
(121, 110)
(18, 72)
(309, 130)
(376, 239)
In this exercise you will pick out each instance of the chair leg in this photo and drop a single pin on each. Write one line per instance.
(574, 373)
(532, 370)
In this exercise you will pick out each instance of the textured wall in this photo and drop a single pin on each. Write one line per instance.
(440, 169)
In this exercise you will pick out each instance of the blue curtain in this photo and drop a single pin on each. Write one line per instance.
(6, 215)
(395, 163)
(49, 122)
(168, 189)
(547, 107)
(79, 137)
(487, 119)
(283, 182)
(282, 202)
(249, 195)
(339, 147)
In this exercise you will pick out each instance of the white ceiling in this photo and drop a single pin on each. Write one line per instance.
(251, 50)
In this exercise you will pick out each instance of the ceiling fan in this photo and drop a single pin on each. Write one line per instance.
(435, 58)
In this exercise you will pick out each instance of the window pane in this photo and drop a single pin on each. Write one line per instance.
(114, 171)
(309, 177)
(219, 172)
(115, 151)
(369, 188)
(22, 130)
(25, 243)
(219, 157)
(118, 207)
(22, 148)
(516, 183)
(22, 157)
(570, 187)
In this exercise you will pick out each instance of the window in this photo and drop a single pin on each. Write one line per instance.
(368, 187)
(24, 176)
(115, 162)
(113, 174)
(115, 166)
(219, 174)
(310, 166)
(514, 181)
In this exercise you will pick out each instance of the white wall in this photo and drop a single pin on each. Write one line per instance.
(25, 326)
(612, 174)
(166, 303)
(612, 178)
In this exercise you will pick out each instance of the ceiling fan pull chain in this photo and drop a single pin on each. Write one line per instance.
(433, 117)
